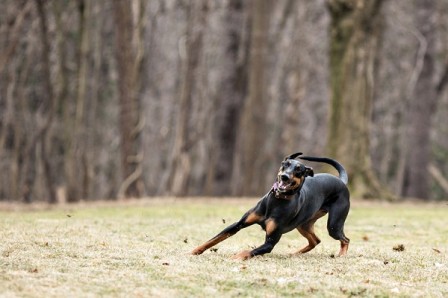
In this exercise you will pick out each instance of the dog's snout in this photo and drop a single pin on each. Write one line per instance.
(284, 177)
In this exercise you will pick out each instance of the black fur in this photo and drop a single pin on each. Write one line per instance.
(296, 201)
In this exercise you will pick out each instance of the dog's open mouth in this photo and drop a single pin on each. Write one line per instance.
(285, 185)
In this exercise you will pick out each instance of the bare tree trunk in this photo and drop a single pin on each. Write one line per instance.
(44, 136)
(422, 107)
(249, 158)
(441, 85)
(355, 34)
(227, 90)
(129, 60)
(62, 99)
(24, 152)
(74, 140)
(90, 161)
(14, 39)
(8, 117)
(181, 165)
(84, 7)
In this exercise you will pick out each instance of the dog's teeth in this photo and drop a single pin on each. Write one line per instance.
(282, 185)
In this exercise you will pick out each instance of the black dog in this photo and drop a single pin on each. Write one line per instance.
(296, 201)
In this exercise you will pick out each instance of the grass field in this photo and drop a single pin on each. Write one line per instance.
(140, 249)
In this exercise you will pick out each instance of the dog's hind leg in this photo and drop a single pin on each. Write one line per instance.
(336, 218)
(307, 231)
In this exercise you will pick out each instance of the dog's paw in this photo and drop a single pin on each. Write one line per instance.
(197, 251)
(244, 255)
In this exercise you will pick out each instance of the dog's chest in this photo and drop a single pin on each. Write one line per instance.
(282, 213)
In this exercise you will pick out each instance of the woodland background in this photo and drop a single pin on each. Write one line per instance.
(105, 99)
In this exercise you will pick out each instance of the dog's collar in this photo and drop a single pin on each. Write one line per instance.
(284, 195)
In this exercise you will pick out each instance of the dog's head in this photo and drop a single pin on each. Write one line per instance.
(292, 173)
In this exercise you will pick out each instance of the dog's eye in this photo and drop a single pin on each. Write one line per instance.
(299, 173)
(286, 164)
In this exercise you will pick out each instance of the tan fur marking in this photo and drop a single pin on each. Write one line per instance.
(344, 248)
(298, 181)
(244, 255)
(307, 231)
(313, 240)
(200, 249)
(271, 225)
(253, 218)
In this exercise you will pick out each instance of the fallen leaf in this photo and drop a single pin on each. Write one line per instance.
(186, 240)
(365, 238)
(165, 264)
(223, 220)
(399, 247)
(436, 250)
(213, 249)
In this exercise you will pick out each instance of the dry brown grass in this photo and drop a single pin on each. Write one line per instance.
(141, 249)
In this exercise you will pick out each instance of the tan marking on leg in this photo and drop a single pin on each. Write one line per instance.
(307, 231)
(253, 218)
(271, 225)
(201, 248)
(344, 248)
(313, 240)
(317, 215)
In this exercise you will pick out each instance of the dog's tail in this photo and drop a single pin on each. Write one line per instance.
(342, 172)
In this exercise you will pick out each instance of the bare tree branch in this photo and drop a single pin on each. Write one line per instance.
(15, 35)
(443, 80)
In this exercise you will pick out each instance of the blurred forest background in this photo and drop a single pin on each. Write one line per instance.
(106, 99)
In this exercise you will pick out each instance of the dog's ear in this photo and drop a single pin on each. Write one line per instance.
(309, 171)
(293, 156)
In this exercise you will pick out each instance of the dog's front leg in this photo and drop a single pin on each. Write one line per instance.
(266, 247)
(248, 219)
(273, 236)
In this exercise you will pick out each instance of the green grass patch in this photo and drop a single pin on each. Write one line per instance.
(142, 248)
